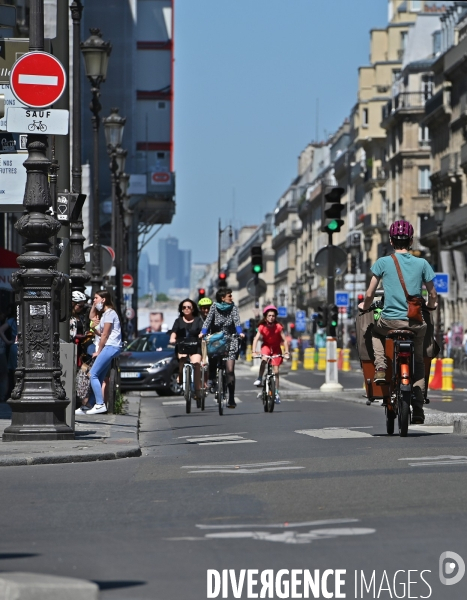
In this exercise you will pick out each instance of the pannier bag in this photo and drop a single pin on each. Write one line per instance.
(217, 343)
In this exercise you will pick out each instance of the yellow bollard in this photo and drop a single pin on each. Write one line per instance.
(322, 359)
(249, 353)
(432, 371)
(346, 359)
(294, 366)
(309, 359)
(448, 370)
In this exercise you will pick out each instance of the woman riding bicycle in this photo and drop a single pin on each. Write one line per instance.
(185, 332)
(224, 317)
(415, 271)
(273, 336)
(204, 306)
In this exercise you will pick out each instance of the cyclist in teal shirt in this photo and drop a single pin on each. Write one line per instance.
(415, 272)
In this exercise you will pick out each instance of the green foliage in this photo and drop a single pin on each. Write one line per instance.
(120, 402)
(161, 297)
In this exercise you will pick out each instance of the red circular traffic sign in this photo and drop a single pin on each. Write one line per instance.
(38, 79)
(127, 280)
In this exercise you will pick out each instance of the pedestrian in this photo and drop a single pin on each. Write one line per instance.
(464, 341)
(9, 330)
(109, 347)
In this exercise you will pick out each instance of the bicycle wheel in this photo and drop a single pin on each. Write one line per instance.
(220, 390)
(464, 366)
(264, 394)
(390, 418)
(404, 413)
(271, 393)
(202, 391)
(187, 387)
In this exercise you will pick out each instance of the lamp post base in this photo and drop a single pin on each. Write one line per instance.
(38, 421)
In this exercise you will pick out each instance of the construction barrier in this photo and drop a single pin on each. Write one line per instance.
(295, 355)
(437, 380)
(249, 353)
(432, 371)
(322, 359)
(346, 359)
(309, 359)
(447, 374)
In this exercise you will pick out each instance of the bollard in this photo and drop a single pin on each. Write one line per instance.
(248, 356)
(322, 359)
(448, 370)
(346, 359)
(340, 359)
(332, 382)
(309, 359)
(437, 380)
(432, 371)
(294, 366)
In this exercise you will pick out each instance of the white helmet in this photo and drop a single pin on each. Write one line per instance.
(78, 297)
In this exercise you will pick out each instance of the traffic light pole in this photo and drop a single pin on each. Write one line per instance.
(331, 382)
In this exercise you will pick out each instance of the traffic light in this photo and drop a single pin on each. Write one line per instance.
(201, 293)
(332, 208)
(222, 279)
(256, 260)
(321, 318)
(333, 319)
(360, 298)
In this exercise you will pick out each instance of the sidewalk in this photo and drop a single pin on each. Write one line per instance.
(98, 437)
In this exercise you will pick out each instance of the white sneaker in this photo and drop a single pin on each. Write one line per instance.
(82, 410)
(258, 382)
(277, 399)
(97, 409)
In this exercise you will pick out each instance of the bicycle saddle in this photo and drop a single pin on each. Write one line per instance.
(400, 333)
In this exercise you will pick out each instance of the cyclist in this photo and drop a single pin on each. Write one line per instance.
(224, 316)
(273, 336)
(415, 271)
(204, 306)
(185, 332)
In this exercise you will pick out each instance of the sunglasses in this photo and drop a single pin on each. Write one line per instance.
(187, 306)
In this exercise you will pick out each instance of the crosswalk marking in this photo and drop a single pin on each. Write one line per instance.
(333, 433)
(212, 439)
(434, 461)
(247, 468)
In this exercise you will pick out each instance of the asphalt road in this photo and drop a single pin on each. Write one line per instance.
(248, 490)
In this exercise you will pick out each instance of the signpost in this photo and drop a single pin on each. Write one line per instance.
(441, 283)
(127, 280)
(300, 320)
(282, 312)
(38, 79)
(48, 121)
(342, 299)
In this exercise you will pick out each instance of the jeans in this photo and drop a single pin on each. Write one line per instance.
(380, 329)
(98, 372)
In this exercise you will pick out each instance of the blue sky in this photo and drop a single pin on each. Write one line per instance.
(248, 74)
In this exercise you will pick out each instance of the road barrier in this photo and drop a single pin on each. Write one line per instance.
(346, 359)
(309, 359)
(432, 371)
(447, 374)
(295, 354)
(437, 380)
(322, 359)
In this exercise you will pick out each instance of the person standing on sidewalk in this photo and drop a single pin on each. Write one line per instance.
(110, 346)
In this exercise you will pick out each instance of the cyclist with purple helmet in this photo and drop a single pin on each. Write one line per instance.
(416, 272)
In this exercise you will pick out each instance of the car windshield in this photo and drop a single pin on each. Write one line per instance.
(153, 342)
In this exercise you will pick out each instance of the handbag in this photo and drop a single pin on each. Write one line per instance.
(188, 346)
(414, 303)
(217, 343)
(83, 382)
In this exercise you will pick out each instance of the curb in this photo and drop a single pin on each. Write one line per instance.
(25, 586)
(460, 426)
(63, 458)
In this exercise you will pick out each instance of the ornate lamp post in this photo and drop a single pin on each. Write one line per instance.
(439, 209)
(113, 129)
(96, 54)
(38, 400)
(368, 243)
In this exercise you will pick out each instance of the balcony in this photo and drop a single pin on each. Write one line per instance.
(438, 106)
(449, 165)
(374, 177)
(406, 102)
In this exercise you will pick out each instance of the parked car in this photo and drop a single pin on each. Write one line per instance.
(148, 363)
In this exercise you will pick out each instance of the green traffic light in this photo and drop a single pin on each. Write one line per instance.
(334, 323)
(333, 225)
(257, 269)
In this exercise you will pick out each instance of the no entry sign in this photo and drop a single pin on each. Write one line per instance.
(38, 79)
(127, 280)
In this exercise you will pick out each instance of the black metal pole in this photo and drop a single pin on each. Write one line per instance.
(96, 107)
(330, 280)
(115, 229)
(38, 400)
(79, 276)
(439, 333)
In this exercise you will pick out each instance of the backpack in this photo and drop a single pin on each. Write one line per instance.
(217, 344)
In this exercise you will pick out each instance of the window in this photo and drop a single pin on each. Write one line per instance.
(365, 117)
(160, 155)
(416, 5)
(161, 105)
(404, 35)
(424, 183)
(423, 135)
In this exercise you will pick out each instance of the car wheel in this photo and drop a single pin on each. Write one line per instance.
(174, 388)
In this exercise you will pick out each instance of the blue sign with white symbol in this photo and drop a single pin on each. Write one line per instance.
(300, 320)
(342, 299)
(282, 312)
(441, 283)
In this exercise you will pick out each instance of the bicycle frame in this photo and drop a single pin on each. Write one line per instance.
(269, 383)
(401, 384)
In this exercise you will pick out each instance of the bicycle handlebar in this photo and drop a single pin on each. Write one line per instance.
(270, 356)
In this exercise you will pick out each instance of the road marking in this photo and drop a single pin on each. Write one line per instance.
(223, 438)
(285, 383)
(37, 79)
(183, 437)
(434, 461)
(174, 403)
(247, 468)
(432, 428)
(333, 433)
(286, 536)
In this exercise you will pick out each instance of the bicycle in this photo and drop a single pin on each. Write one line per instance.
(268, 393)
(189, 386)
(37, 125)
(221, 380)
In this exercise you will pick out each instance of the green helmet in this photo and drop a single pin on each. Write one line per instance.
(205, 302)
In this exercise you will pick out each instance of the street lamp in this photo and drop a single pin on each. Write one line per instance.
(368, 243)
(96, 54)
(439, 209)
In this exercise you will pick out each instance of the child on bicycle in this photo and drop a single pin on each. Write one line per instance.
(273, 336)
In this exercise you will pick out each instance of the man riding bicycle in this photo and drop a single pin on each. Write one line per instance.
(415, 272)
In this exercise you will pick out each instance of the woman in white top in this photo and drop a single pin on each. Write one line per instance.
(110, 346)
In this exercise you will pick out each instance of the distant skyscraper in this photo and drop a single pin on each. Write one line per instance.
(184, 269)
(143, 275)
(174, 265)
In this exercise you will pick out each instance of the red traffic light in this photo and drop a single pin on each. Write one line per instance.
(222, 276)
(360, 297)
(201, 291)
